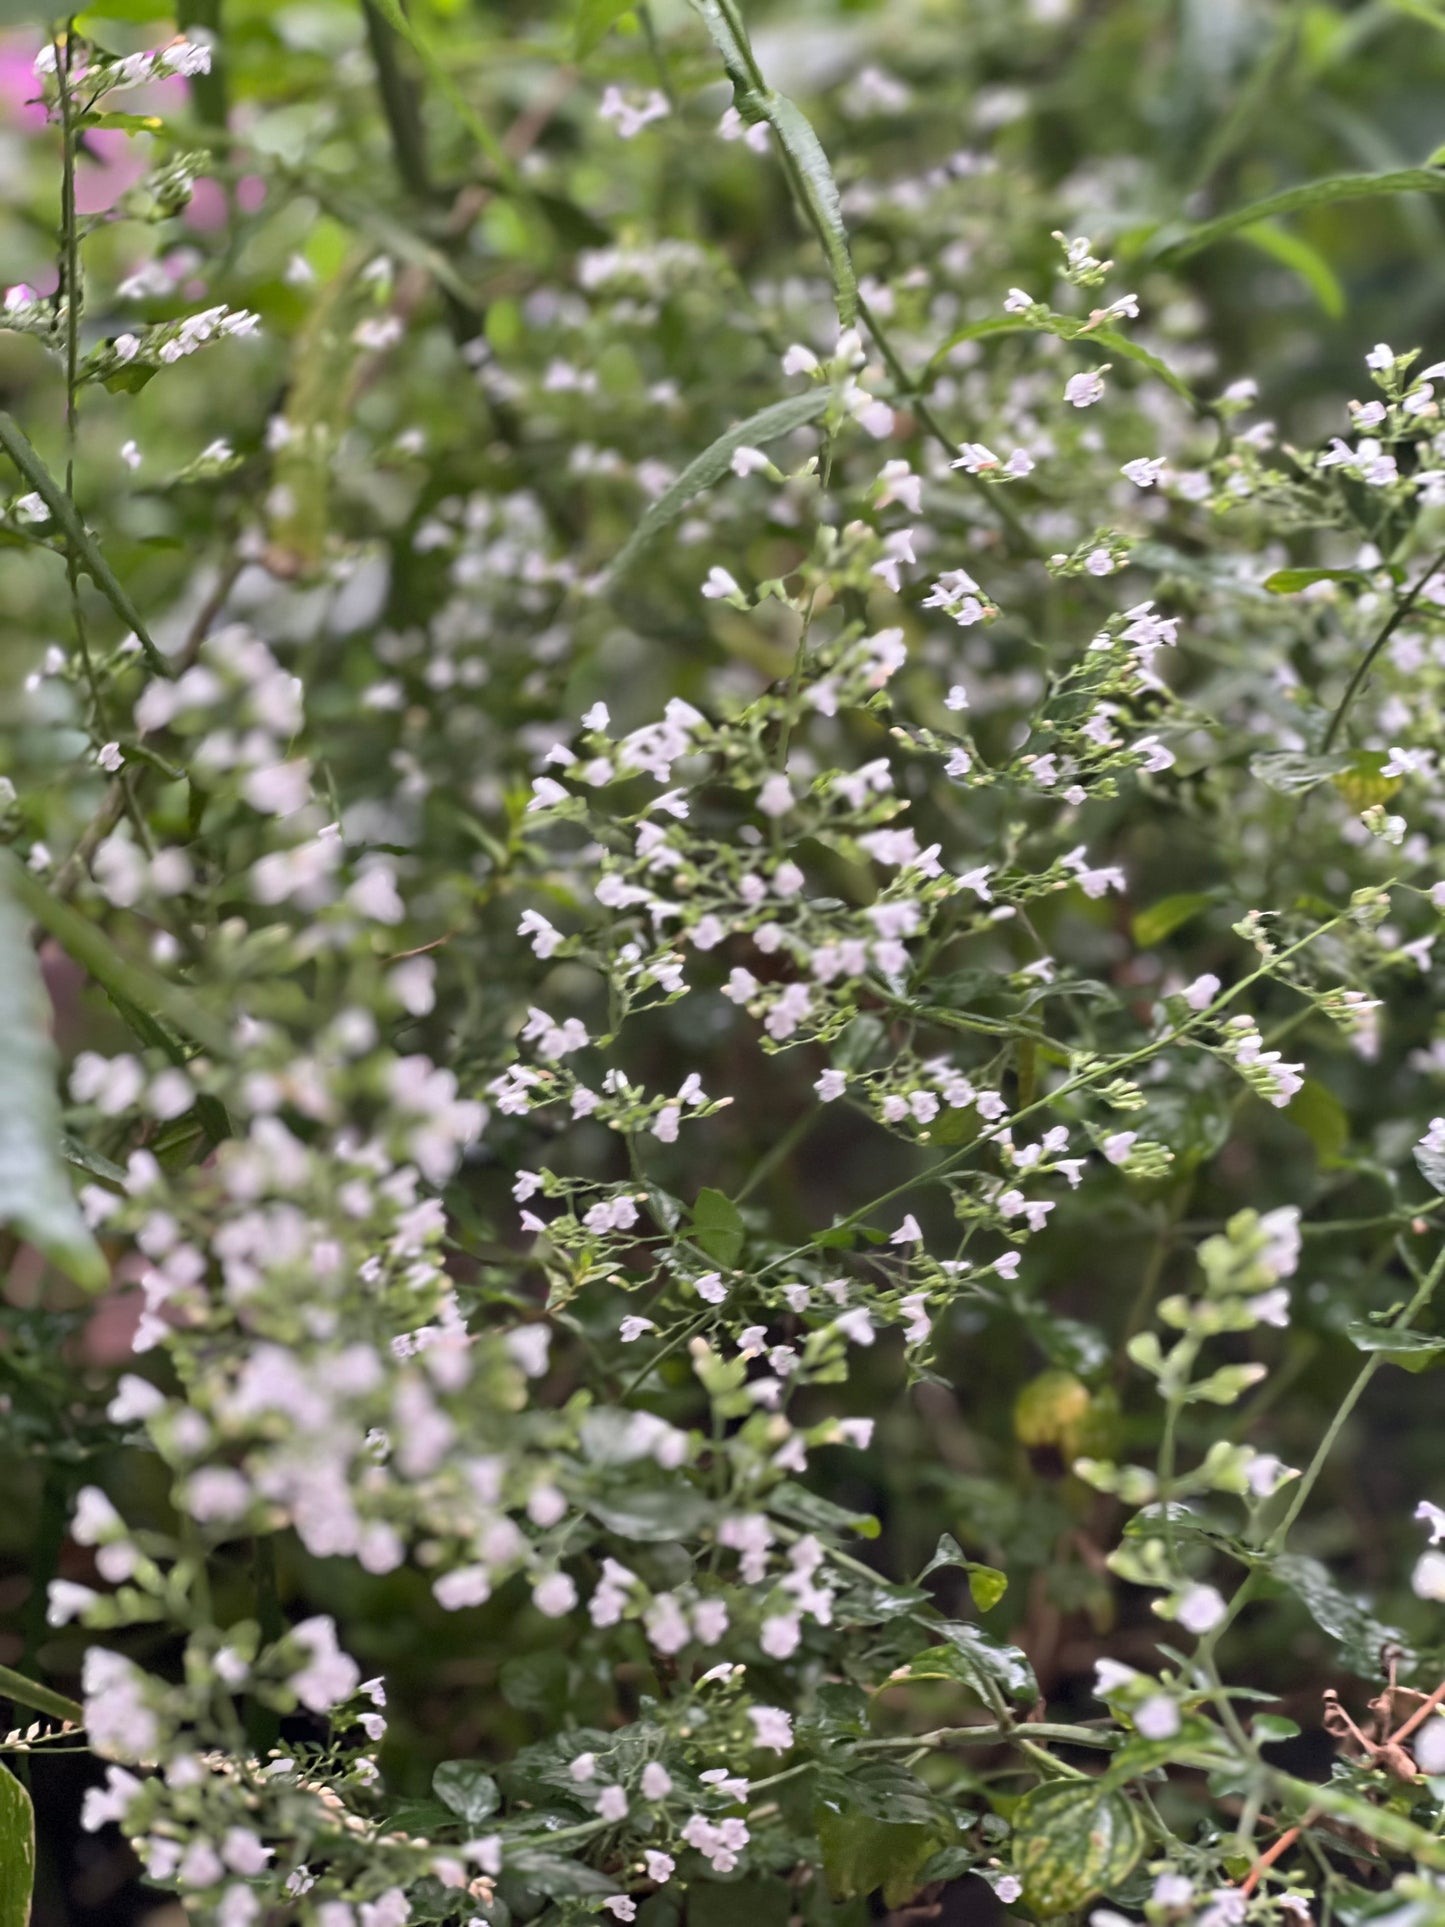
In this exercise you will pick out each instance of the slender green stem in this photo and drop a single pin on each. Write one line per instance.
(778, 1151)
(1351, 1399)
(40, 1699)
(1397, 616)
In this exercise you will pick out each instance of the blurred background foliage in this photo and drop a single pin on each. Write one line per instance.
(327, 143)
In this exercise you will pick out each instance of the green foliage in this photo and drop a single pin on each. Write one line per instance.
(17, 1851)
(1073, 1839)
(735, 859)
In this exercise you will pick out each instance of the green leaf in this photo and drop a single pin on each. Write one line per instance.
(554, 1874)
(986, 1585)
(1067, 328)
(86, 550)
(810, 1509)
(1360, 1636)
(876, 1825)
(1119, 344)
(1074, 1839)
(807, 163)
(652, 1514)
(1338, 187)
(125, 123)
(1291, 581)
(973, 1658)
(820, 195)
(948, 1552)
(36, 1200)
(1412, 1349)
(129, 984)
(25, 1691)
(1268, 1729)
(1294, 252)
(470, 1793)
(1160, 919)
(595, 20)
(17, 1851)
(1292, 772)
(1323, 1119)
(768, 425)
(717, 1225)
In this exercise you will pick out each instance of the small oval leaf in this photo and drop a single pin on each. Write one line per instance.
(1074, 1839)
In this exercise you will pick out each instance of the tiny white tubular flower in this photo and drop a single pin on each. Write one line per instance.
(830, 1085)
(772, 1728)
(800, 361)
(856, 1326)
(1428, 1746)
(1144, 471)
(781, 1635)
(109, 757)
(1200, 1608)
(1428, 1514)
(1110, 1675)
(976, 458)
(1085, 388)
(659, 1865)
(633, 1326)
(554, 1595)
(1380, 357)
(1117, 1147)
(631, 116)
(908, 1233)
(1428, 1578)
(749, 461)
(1017, 302)
(719, 584)
(1157, 1718)
(775, 796)
(1202, 992)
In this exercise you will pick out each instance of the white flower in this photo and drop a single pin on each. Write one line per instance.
(1144, 471)
(830, 1085)
(1202, 992)
(908, 1233)
(780, 1635)
(772, 1728)
(1157, 1717)
(856, 1326)
(1429, 1746)
(1428, 1578)
(631, 116)
(719, 583)
(1084, 388)
(554, 1595)
(1200, 1608)
(612, 1803)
